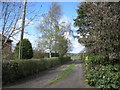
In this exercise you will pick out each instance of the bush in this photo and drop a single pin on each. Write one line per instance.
(108, 77)
(104, 77)
(27, 51)
(101, 73)
(15, 70)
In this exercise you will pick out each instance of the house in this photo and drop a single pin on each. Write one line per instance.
(6, 47)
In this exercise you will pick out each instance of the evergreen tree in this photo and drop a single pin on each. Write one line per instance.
(27, 51)
(102, 35)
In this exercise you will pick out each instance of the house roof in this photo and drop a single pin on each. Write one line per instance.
(2, 38)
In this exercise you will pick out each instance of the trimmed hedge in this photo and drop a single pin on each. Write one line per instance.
(15, 70)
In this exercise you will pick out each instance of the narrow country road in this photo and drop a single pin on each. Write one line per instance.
(75, 79)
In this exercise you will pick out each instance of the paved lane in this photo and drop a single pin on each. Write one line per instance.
(75, 79)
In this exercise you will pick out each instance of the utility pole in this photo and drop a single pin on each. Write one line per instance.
(22, 31)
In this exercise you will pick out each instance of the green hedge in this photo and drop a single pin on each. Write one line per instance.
(104, 76)
(101, 73)
(15, 70)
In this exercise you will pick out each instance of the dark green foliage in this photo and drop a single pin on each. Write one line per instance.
(52, 55)
(83, 20)
(101, 73)
(104, 76)
(99, 27)
(27, 51)
(61, 45)
(15, 70)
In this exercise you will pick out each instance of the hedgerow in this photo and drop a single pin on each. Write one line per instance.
(101, 73)
(18, 69)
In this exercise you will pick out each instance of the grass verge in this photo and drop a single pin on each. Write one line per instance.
(63, 74)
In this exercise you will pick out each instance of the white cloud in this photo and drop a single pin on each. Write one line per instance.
(41, 20)
(20, 20)
(65, 21)
(30, 37)
(31, 23)
(16, 37)
(76, 46)
(67, 36)
(26, 22)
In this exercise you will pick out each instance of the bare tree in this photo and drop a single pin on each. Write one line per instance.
(11, 16)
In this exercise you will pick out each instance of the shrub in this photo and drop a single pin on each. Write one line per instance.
(27, 51)
(15, 70)
(108, 77)
(101, 73)
(104, 77)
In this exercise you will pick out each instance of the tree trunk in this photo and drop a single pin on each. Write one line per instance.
(50, 54)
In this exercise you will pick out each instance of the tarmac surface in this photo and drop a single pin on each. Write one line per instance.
(75, 79)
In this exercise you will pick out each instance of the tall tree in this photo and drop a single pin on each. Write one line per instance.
(50, 26)
(103, 36)
(61, 45)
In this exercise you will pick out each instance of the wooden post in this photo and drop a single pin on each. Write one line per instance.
(22, 32)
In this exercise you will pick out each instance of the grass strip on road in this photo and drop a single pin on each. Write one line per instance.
(63, 74)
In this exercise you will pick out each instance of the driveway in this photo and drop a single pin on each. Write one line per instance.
(75, 79)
